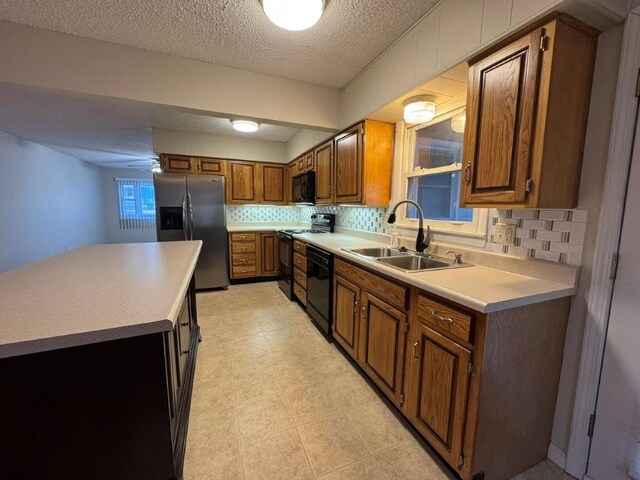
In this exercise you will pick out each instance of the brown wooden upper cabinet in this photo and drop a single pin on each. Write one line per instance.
(179, 164)
(272, 183)
(241, 185)
(527, 105)
(252, 182)
(363, 163)
(210, 166)
(324, 172)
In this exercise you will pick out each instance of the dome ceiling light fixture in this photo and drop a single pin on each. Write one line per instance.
(293, 15)
(458, 122)
(246, 126)
(419, 109)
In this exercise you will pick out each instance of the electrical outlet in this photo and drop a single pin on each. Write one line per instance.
(504, 234)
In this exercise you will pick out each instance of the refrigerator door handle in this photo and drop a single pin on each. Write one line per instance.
(184, 216)
(190, 217)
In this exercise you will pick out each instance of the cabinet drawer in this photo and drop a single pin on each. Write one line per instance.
(300, 247)
(243, 271)
(300, 262)
(300, 277)
(454, 322)
(240, 247)
(301, 293)
(249, 259)
(243, 237)
(396, 295)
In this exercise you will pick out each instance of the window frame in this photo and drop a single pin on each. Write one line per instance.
(478, 225)
(137, 184)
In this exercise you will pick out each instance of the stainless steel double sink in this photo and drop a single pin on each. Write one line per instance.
(405, 260)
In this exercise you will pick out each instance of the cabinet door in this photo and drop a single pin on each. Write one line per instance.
(210, 166)
(346, 315)
(348, 165)
(309, 161)
(272, 178)
(269, 254)
(383, 336)
(178, 164)
(292, 172)
(501, 109)
(241, 187)
(324, 173)
(301, 165)
(438, 389)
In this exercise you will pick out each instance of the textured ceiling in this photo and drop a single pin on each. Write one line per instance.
(106, 131)
(235, 33)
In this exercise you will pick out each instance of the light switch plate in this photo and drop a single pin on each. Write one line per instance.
(504, 234)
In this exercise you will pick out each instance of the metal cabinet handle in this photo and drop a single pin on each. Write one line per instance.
(185, 352)
(467, 173)
(415, 350)
(184, 324)
(435, 315)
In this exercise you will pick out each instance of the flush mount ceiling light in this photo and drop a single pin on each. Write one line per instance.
(246, 126)
(458, 122)
(420, 109)
(293, 14)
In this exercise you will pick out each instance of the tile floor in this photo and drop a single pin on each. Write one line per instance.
(273, 400)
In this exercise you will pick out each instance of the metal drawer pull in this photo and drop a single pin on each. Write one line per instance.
(184, 324)
(467, 173)
(449, 320)
(415, 350)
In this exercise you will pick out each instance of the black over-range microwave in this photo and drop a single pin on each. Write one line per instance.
(303, 188)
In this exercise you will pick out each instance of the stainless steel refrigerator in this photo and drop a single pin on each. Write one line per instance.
(192, 207)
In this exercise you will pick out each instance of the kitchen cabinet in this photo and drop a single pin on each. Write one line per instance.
(118, 408)
(527, 106)
(255, 183)
(382, 345)
(437, 399)
(178, 164)
(324, 173)
(253, 254)
(346, 315)
(268, 254)
(210, 166)
(271, 186)
(460, 377)
(300, 271)
(363, 164)
(292, 171)
(370, 323)
(309, 159)
(241, 187)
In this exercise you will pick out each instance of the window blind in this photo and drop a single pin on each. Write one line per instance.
(136, 202)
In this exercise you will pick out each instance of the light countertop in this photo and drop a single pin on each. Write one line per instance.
(480, 288)
(94, 294)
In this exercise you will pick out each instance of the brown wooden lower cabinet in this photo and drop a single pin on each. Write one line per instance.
(437, 396)
(480, 388)
(253, 254)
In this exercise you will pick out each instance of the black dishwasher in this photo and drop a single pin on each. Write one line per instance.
(319, 291)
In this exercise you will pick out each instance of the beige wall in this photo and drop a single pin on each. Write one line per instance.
(221, 146)
(46, 59)
(303, 140)
(594, 166)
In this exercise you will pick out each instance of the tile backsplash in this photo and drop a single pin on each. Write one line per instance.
(360, 218)
(553, 235)
(241, 213)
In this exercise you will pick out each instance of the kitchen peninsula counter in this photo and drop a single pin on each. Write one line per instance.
(94, 294)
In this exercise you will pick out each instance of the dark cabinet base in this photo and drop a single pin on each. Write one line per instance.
(100, 411)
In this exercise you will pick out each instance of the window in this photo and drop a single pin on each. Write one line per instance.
(431, 175)
(136, 199)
